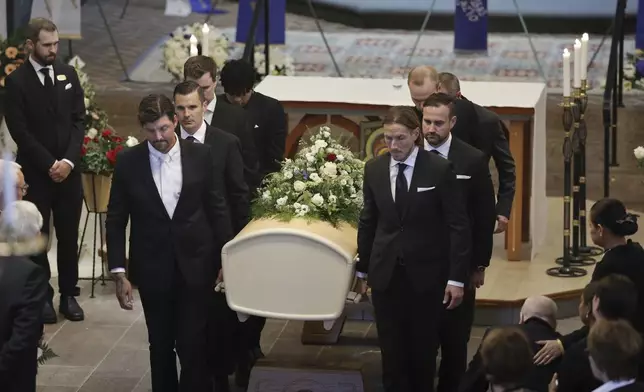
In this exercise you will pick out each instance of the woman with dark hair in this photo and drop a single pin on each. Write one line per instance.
(610, 224)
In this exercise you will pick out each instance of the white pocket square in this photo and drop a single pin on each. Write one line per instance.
(419, 189)
(68, 86)
(462, 177)
(256, 126)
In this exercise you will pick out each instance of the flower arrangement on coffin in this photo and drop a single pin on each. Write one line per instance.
(176, 50)
(634, 70)
(12, 55)
(95, 117)
(280, 63)
(98, 157)
(639, 155)
(323, 182)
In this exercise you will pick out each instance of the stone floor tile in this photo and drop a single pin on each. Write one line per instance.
(145, 384)
(136, 338)
(63, 376)
(109, 384)
(124, 363)
(80, 344)
(56, 389)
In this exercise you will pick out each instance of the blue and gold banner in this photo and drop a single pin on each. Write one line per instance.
(276, 22)
(470, 26)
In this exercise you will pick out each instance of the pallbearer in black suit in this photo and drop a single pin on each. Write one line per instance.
(483, 129)
(473, 176)
(45, 115)
(222, 115)
(414, 243)
(169, 191)
(226, 151)
(238, 77)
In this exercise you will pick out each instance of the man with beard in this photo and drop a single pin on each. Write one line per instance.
(45, 117)
(222, 115)
(476, 126)
(169, 191)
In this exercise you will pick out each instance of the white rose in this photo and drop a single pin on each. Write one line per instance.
(310, 158)
(326, 134)
(92, 133)
(333, 199)
(303, 210)
(131, 141)
(343, 182)
(339, 157)
(321, 144)
(288, 175)
(639, 153)
(297, 206)
(299, 186)
(281, 201)
(343, 172)
(317, 199)
(266, 195)
(315, 178)
(86, 100)
(330, 170)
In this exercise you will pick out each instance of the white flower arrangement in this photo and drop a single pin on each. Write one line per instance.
(322, 182)
(280, 63)
(639, 155)
(176, 50)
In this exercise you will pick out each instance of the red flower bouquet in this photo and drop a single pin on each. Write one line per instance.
(99, 151)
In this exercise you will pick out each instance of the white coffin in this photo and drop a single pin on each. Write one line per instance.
(290, 270)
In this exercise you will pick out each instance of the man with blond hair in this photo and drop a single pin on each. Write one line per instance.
(422, 82)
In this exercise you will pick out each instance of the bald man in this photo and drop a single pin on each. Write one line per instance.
(538, 320)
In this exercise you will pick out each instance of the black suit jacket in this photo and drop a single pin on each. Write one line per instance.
(535, 329)
(234, 120)
(46, 127)
(432, 237)
(23, 291)
(483, 129)
(269, 131)
(479, 197)
(191, 239)
(229, 165)
(574, 373)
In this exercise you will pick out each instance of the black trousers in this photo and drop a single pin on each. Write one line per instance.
(64, 201)
(407, 325)
(177, 317)
(454, 333)
(251, 333)
(223, 336)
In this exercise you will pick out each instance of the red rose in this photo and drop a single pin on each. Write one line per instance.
(95, 139)
(106, 133)
(111, 156)
(86, 139)
(331, 157)
(118, 148)
(83, 150)
(117, 139)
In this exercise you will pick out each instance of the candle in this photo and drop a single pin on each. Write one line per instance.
(193, 46)
(584, 56)
(577, 66)
(205, 30)
(566, 73)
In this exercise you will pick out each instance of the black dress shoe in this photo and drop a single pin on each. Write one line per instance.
(70, 308)
(49, 314)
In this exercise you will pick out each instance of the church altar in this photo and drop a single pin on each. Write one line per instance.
(323, 100)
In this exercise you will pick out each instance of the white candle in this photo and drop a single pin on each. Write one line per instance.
(584, 56)
(205, 30)
(193, 46)
(577, 66)
(566, 73)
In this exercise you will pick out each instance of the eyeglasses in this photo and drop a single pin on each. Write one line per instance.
(23, 189)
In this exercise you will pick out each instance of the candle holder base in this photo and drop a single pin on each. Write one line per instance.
(590, 251)
(577, 261)
(566, 272)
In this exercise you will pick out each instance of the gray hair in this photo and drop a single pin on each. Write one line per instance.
(4, 162)
(20, 221)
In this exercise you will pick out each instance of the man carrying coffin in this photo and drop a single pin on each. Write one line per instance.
(414, 243)
(473, 176)
(169, 191)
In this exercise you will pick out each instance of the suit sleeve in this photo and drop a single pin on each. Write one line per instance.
(482, 203)
(28, 145)
(366, 225)
(458, 224)
(118, 214)
(277, 139)
(249, 153)
(216, 209)
(26, 328)
(568, 340)
(78, 121)
(505, 166)
(236, 187)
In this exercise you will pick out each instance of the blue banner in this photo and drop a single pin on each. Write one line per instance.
(470, 26)
(639, 30)
(276, 22)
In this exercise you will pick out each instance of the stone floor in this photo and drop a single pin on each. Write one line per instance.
(108, 351)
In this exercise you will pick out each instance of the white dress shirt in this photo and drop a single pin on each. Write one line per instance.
(168, 178)
(612, 385)
(443, 149)
(41, 77)
(200, 135)
(210, 110)
(409, 171)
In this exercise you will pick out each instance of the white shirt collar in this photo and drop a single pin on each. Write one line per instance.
(612, 385)
(211, 105)
(37, 66)
(443, 149)
(200, 134)
(167, 157)
(410, 161)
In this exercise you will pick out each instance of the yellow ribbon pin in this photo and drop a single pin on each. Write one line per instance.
(61, 77)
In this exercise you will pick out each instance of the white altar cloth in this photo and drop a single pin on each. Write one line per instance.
(392, 92)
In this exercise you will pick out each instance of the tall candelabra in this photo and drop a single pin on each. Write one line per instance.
(571, 116)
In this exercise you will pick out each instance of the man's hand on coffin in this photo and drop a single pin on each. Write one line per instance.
(453, 296)
(124, 291)
(220, 287)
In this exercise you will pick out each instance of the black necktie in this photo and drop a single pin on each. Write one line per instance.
(401, 189)
(49, 84)
(436, 152)
(191, 139)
